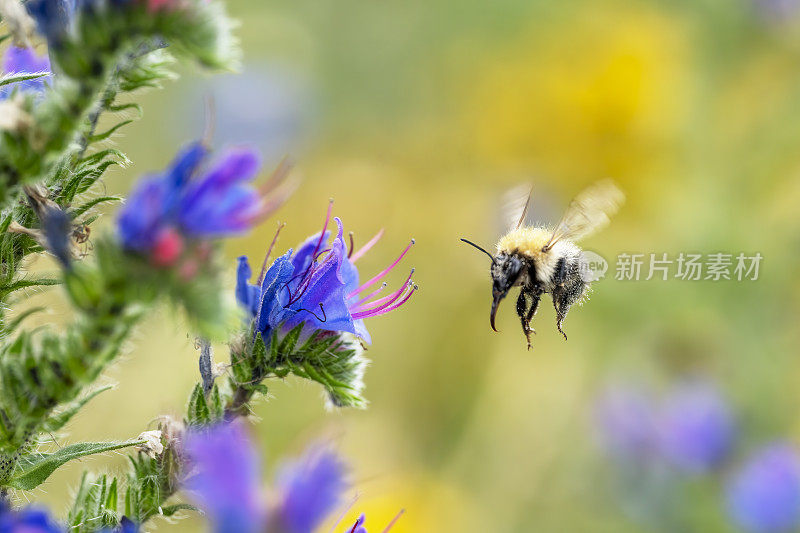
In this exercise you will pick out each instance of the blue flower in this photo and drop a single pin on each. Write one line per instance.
(53, 17)
(695, 427)
(764, 496)
(312, 488)
(20, 60)
(227, 484)
(27, 520)
(318, 286)
(625, 417)
(184, 203)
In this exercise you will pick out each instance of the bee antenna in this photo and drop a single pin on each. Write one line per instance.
(479, 248)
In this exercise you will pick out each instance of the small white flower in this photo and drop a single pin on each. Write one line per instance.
(152, 445)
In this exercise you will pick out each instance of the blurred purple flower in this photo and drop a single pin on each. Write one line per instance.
(180, 203)
(319, 286)
(696, 429)
(312, 488)
(53, 17)
(777, 10)
(625, 418)
(764, 496)
(20, 60)
(27, 520)
(227, 484)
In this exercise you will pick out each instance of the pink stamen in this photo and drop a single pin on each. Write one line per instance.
(269, 252)
(304, 282)
(383, 302)
(382, 311)
(324, 228)
(383, 273)
(278, 176)
(369, 296)
(386, 299)
(394, 521)
(364, 249)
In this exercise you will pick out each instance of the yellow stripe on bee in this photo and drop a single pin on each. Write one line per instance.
(528, 241)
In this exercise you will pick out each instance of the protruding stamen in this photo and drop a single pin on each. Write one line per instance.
(278, 176)
(386, 299)
(369, 296)
(364, 249)
(269, 252)
(324, 227)
(394, 521)
(352, 245)
(383, 273)
(383, 310)
(306, 275)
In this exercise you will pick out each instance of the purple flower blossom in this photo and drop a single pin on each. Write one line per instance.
(19, 60)
(53, 17)
(182, 202)
(625, 418)
(319, 286)
(27, 520)
(312, 488)
(227, 484)
(696, 429)
(764, 496)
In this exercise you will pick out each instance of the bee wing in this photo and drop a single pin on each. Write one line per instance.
(516, 203)
(588, 212)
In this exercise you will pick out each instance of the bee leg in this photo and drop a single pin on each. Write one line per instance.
(560, 275)
(522, 312)
(562, 307)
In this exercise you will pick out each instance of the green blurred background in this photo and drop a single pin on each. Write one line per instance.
(416, 116)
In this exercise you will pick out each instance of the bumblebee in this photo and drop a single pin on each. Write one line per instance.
(541, 260)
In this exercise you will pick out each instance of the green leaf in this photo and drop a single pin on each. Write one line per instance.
(125, 107)
(32, 474)
(58, 420)
(111, 498)
(290, 340)
(108, 133)
(81, 209)
(170, 510)
(198, 408)
(28, 283)
(5, 80)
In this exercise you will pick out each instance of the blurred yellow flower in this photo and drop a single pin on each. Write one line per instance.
(600, 91)
(430, 504)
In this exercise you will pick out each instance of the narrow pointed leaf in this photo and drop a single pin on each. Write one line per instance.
(34, 473)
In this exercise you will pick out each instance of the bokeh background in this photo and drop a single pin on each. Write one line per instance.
(416, 116)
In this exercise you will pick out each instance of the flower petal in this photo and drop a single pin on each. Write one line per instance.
(312, 488)
(227, 484)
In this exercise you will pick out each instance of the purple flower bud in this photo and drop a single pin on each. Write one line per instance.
(764, 496)
(696, 429)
